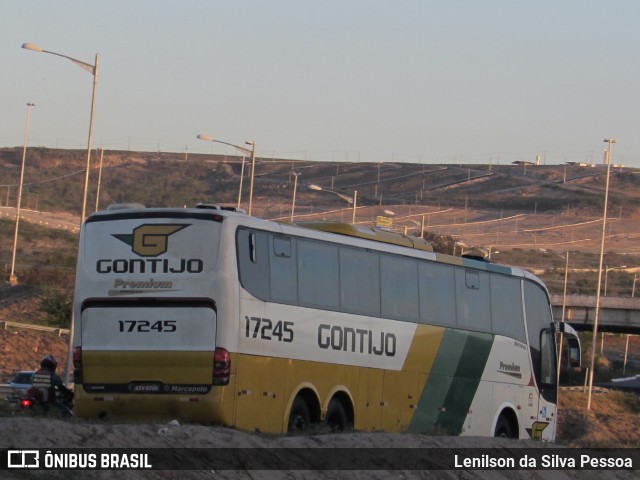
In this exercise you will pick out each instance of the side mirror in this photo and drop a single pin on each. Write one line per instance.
(575, 357)
(575, 351)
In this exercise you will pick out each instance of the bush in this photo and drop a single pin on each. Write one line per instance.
(440, 243)
(57, 305)
(629, 402)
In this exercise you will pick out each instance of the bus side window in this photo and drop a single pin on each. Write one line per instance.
(318, 275)
(359, 281)
(283, 273)
(473, 308)
(507, 311)
(437, 294)
(399, 288)
(253, 262)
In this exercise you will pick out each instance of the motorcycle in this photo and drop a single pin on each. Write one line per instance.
(32, 403)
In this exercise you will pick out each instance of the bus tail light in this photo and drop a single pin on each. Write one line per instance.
(77, 365)
(221, 367)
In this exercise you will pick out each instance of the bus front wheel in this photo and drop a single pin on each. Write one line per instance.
(504, 428)
(299, 417)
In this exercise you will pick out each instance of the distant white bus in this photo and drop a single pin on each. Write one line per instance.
(209, 315)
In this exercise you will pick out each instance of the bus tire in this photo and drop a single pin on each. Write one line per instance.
(504, 429)
(336, 418)
(299, 418)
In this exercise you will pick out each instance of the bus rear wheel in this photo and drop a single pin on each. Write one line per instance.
(299, 418)
(503, 427)
(336, 418)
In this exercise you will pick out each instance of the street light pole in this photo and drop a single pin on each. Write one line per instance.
(13, 279)
(93, 107)
(564, 305)
(99, 179)
(244, 156)
(295, 187)
(610, 141)
(93, 70)
(245, 152)
(606, 275)
(253, 169)
(626, 347)
(355, 199)
(349, 200)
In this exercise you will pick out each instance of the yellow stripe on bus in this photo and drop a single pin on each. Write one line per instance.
(424, 348)
(106, 366)
(383, 399)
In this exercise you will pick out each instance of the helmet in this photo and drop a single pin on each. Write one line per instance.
(49, 361)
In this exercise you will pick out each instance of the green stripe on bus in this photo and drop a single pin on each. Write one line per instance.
(453, 382)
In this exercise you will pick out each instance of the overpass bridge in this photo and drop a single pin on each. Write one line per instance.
(617, 314)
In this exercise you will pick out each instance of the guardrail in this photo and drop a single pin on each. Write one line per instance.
(58, 331)
(5, 390)
(8, 394)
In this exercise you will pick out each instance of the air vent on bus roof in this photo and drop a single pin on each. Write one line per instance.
(124, 206)
(220, 207)
(476, 254)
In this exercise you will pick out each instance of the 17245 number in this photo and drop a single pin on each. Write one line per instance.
(266, 329)
(145, 326)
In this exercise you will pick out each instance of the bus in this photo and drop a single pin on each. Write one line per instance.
(209, 315)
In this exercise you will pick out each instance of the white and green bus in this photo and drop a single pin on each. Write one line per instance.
(209, 315)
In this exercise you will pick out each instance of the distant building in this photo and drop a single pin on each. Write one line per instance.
(578, 164)
(522, 163)
(613, 165)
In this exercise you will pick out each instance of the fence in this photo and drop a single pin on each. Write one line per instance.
(58, 331)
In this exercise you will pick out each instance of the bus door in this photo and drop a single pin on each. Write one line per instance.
(545, 427)
(542, 349)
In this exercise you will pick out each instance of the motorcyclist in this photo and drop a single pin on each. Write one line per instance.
(46, 383)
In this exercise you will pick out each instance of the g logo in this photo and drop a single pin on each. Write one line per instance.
(150, 240)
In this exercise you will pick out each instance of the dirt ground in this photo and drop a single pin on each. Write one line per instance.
(603, 426)
(22, 349)
(29, 432)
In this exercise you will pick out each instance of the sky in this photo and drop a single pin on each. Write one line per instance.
(448, 81)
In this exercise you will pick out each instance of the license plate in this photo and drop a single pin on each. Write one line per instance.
(145, 387)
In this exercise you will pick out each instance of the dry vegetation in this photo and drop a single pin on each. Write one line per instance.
(612, 421)
(531, 217)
